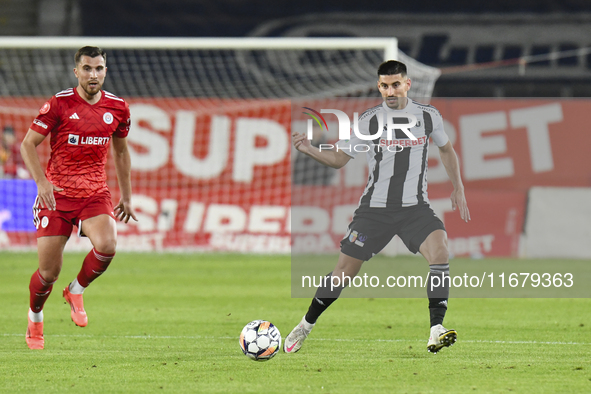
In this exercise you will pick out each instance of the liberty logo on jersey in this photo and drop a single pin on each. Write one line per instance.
(74, 139)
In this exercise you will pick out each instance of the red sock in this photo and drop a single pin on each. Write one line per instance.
(39, 291)
(94, 265)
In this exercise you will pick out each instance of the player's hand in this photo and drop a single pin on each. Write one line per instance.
(123, 211)
(300, 142)
(45, 191)
(458, 201)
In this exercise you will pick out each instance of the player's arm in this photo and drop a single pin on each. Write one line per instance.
(452, 166)
(31, 158)
(331, 158)
(123, 210)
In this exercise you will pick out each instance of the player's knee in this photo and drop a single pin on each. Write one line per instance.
(106, 246)
(49, 275)
(345, 276)
(345, 272)
(440, 256)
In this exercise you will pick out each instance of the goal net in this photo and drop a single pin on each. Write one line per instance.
(210, 136)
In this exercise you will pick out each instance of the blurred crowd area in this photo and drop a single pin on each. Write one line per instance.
(12, 165)
(553, 35)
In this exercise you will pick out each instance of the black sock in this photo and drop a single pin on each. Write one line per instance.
(438, 292)
(324, 297)
(437, 309)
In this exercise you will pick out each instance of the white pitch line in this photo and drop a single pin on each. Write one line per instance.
(310, 339)
(528, 342)
(459, 340)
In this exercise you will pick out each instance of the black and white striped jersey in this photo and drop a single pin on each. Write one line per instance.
(397, 166)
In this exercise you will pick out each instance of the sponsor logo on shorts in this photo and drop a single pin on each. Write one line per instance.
(108, 118)
(357, 238)
(40, 123)
(73, 139)
(45, 108)
(44, 221)
(361, 238)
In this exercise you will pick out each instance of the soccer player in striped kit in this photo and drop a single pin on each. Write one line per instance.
(395, 199)
(83, 122)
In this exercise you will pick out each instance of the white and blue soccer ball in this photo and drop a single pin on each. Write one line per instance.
(260, 340)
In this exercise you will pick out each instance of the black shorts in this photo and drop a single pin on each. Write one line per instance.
(373, 228)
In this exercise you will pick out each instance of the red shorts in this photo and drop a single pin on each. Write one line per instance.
(70, 212)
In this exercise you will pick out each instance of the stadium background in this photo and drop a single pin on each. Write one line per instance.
(211, 163)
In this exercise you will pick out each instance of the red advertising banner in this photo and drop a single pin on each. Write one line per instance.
(217, 174)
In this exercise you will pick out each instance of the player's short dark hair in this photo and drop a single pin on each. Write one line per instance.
(392, 67)
(90, 52)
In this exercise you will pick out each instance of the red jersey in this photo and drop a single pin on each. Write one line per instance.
(80, 137)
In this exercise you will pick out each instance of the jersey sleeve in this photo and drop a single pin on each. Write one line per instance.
(48, 118)
(438, 135)
(123, 128)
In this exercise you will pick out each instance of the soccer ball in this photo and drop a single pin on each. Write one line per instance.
(260, 340)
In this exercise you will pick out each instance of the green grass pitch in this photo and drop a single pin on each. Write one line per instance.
(170, 323)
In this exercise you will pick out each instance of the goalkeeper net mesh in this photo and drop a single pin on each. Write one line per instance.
(210, 136)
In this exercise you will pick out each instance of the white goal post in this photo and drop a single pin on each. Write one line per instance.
(388, 45)
(211, 121)
(269, 67)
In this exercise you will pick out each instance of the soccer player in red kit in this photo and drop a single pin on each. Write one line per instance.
(83, 122)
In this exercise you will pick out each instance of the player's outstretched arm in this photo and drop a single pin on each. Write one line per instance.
(452, 166)
(123, 211)
(331, 158)
(31, 158)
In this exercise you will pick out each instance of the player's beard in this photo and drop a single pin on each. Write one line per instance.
(393, 102)
(91, 91)
(396, 103)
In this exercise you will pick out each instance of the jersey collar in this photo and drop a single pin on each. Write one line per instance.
(86, 102)
(408, 107)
